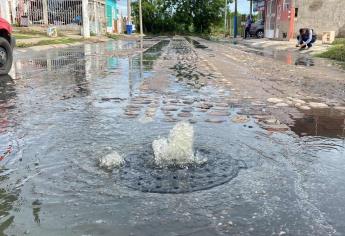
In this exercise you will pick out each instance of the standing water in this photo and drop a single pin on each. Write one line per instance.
(63, 113)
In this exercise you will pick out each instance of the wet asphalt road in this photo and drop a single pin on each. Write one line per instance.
(63, 109)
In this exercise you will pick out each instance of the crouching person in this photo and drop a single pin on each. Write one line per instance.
(306, 38)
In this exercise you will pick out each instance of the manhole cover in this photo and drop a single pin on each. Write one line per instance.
(142, 174)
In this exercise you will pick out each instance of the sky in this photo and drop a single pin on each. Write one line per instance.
(243, 6)
(122, 7)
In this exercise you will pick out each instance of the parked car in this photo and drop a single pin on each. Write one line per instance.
(7, 43)
(257, 29)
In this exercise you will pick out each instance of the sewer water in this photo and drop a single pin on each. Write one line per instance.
(64, 109)
(291, 57)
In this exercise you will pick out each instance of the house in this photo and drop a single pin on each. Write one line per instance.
(5, 10)
(112, 13)
(279, 19)
(284, 18)
(321, 15)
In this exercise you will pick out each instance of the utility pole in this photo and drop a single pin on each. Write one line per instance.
(235, 20)
(141, 19)
(225, 17)
(14, 12)
(45, 11)
(86, 21)
(129, 12)
(251, 9)
(230, 23)
(95, 13)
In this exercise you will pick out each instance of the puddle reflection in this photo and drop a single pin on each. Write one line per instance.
(288, 57)
(7, 101)
(324, 123)
(7, 201)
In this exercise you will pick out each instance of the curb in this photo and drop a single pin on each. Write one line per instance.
(54, 46)
(281, 45)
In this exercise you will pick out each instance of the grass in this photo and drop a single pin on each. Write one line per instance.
(25, 36)
(24, 33)
(64, 40)
(339, 41)
(27, 33)
(113, 36)
(336, 51)
(57, 41)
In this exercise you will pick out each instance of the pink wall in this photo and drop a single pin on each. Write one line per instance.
(284, 20)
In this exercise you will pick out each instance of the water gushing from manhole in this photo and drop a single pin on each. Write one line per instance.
(178, 148)
(177, 164)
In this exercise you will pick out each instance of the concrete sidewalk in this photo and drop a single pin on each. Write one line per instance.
(37, 36)
(318, 47)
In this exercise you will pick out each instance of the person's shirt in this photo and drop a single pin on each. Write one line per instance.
(310, 37)
(248, 22)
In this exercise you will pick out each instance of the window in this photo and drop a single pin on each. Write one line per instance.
(296, 12)
(286, 5)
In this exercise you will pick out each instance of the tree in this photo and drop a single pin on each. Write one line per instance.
(180, 15)
(207, 13)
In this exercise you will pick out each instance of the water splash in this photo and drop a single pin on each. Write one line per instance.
(111, 161)
(177, 149)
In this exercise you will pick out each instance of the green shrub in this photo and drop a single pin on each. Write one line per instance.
(339, 41)
(336, 52)
(113, 36)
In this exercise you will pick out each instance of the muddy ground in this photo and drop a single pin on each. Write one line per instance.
(257, 78)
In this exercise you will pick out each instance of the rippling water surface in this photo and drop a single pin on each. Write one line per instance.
(62, 110)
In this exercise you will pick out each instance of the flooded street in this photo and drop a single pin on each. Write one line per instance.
(273, 134)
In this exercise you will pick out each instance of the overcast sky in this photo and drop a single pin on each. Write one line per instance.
(243, 6)
(122, 7)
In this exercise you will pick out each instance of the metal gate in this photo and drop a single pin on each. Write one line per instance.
(62, 13)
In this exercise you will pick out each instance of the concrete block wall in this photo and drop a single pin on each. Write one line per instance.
(5, 10)
(321, 15)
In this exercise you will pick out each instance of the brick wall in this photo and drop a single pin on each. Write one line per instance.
(321, 15)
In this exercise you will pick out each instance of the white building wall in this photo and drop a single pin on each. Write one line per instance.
(5, 10)
(321, 15)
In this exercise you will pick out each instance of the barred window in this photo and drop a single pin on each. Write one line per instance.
(286, 5)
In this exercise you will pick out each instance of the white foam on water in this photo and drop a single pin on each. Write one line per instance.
(177, 149)
(112, 160)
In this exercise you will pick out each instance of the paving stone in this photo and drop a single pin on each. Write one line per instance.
(240, 119)
(275, 100)
(215, 120)
(318, 105)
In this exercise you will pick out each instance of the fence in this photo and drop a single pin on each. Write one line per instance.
(64, 14)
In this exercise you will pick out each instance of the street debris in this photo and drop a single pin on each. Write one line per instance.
(240, 119)
(272, 125)
(7, 152)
